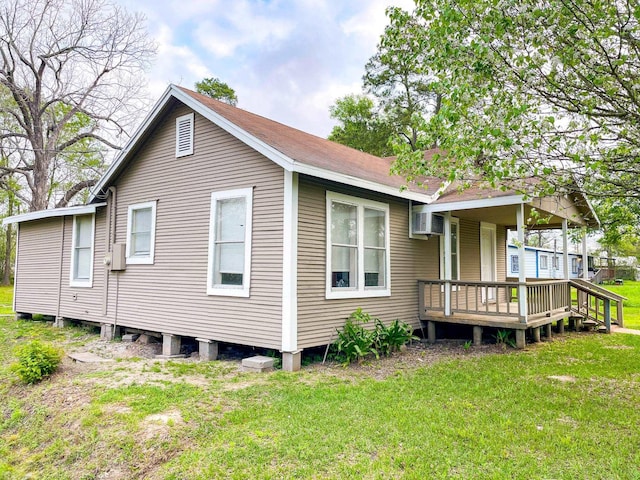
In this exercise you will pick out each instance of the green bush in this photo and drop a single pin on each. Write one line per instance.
(36, 360)
(355, 341)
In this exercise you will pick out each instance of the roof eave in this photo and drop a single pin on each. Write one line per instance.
(51, 213)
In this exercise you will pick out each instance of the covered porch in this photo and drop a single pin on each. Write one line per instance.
(498, 305)
(479, 292)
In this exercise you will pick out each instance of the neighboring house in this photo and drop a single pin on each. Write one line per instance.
(545, 263)
(224, 226)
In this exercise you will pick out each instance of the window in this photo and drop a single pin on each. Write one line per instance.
(544, 262)
(82, 251)
(515, 265)
(230, 243)
(574, 265)
(357, 247)
(555, 262)
(184, 135)
(455, 249)
(141, 233)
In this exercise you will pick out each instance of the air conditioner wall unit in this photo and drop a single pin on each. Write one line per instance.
(426, 223)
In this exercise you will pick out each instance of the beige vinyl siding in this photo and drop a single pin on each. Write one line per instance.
(170, 295)
(38, 272)
(469, 250)
(411, 260)
(84, 303)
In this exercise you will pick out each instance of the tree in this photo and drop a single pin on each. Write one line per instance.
(533, 89)
(398, 75)
(360, 126)
(216, 88)
(69, 88)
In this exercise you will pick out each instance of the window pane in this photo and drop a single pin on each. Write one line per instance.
(140, 243)
(230, 257)
(231, 218)
(374, 228)
(141, 220)
(83, 231)
(344, 223)
(344, 261)
(83, 264)
(374, 267)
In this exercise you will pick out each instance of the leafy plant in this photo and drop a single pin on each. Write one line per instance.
(505, 337)
(36, 360)
(467, 345)
(392, 338)
(355, 342)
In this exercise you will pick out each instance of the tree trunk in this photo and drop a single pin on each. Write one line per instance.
(8, 246)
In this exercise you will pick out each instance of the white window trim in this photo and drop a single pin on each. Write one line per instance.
(456, 221)
(74, 282)
(231, 290)
(189, 117)
(361, 291)
(142, 259)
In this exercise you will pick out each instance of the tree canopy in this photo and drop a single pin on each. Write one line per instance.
(216, 88)
(361, 127)
(69, 89)
(545, 89)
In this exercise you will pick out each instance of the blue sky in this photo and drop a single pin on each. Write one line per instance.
(287, 60)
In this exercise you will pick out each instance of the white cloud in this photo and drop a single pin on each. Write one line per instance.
(288, 60)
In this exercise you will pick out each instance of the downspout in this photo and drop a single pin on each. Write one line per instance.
(113, 208)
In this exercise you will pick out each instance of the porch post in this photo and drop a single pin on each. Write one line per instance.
(447, 264)
(585, 257)
(565, 249)
(522, 270)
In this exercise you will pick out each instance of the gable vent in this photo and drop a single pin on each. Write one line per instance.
(184, 135)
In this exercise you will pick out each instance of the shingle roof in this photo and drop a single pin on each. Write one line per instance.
(314, 151)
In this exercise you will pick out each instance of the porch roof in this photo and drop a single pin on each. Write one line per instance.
(479, 202)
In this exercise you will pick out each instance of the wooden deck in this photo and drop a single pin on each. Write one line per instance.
(514, 306)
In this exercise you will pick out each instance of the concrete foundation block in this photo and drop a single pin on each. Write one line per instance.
(431, 332)
(259, 363)
(547, 331)
(477, 335)
(207, 349)
(130, 337)
(108, 332)
(170, 344)
(520, 339)
(291, 361)
(535, 334)
(560, 326)
(61, 322)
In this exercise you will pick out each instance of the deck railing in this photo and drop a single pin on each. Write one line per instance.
(493, 298)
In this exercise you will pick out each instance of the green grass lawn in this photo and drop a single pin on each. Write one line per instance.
(563, 409)
(631, 290)
(6, 300)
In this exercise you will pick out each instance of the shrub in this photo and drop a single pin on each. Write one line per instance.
(355, 341)
(36, 360)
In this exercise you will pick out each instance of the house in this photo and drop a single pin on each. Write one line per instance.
(220, 225)
(545, 263)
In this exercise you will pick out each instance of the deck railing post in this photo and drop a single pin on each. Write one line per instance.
(421, 299)
(619, 316)
(607, 314)
(447, 298)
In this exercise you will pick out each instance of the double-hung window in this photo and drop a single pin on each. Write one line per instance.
(82, 251)
(544, 262)
(229, 264)
(357, 247)
(141, 233)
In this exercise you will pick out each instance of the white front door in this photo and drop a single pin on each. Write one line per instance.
(488, 265)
